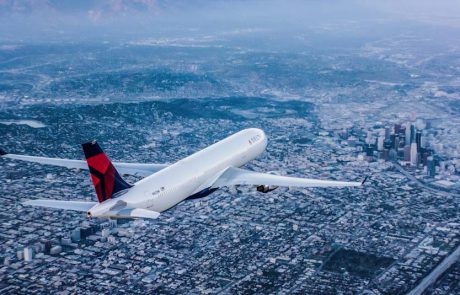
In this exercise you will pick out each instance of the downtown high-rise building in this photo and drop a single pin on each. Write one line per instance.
(407, 134)
(431, 166)
(413, 154)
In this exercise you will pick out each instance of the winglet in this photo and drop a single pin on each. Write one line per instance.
(364, 180)
(2, 152)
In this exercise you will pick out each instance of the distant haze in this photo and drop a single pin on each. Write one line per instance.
(53, 20)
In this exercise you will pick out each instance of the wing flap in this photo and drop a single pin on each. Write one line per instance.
(66, 205)
(237, 176)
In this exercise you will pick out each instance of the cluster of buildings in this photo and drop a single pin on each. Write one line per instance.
(85, 234)
(405, 143)
(413, 146)
(235, 241)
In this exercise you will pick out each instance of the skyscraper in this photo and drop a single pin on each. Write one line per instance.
(431, 166)
(413, 154)
(396, 142)
(418, 139)
(387, 144)
(424, 154)
(380, 142)
(407, 153)
(393, 155)
(423, 141)
(386, 154)
(397, 128)
(407, 134)
(412, 133)
(369, 150)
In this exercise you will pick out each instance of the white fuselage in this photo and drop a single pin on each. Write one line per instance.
(191, 175)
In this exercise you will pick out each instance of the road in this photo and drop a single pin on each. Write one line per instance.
(436, 273)
(420, 183)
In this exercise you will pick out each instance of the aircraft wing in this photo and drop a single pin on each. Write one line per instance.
(237, 176)
(142, 170)
(67, 205)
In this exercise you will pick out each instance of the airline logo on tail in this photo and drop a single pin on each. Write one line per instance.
(106, 179)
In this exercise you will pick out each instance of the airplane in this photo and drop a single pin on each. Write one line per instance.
(164, 186)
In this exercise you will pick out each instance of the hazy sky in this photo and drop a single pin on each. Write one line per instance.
(86, 19)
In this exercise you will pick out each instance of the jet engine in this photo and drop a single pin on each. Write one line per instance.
(267, 188)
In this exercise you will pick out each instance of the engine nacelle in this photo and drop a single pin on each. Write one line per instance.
(266, 188)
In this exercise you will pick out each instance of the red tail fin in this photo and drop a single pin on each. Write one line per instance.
(107, 181)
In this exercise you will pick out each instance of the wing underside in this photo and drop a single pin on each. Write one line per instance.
(237, 176)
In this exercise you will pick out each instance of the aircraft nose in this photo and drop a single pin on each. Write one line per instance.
(262, 133)
(264, 137)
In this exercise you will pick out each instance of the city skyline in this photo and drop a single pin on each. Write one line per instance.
(343, 90)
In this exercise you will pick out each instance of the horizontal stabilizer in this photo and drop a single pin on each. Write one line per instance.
(137, 213)
(66, 205)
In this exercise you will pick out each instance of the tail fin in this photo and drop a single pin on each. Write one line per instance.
(107, 181)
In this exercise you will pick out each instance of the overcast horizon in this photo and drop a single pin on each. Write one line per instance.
(98, 20)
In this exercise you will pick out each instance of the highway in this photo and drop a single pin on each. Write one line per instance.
(420, 183)
(449, 260)
(436, 273)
